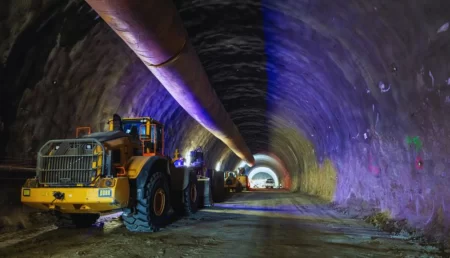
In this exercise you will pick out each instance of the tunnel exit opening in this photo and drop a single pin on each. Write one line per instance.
(258, 176)
(268, 163)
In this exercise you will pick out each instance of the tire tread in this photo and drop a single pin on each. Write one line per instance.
(141, 220)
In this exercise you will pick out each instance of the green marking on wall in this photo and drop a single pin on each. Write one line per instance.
(414, 141)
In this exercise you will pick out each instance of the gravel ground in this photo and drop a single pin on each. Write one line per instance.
(271, 223)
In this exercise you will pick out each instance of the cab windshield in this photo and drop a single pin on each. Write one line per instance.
(134, 128)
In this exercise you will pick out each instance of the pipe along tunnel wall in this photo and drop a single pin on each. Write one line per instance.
(353, 97)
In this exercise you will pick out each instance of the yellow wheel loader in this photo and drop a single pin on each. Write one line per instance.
(243, 179)
(232, 184)
(121, 169)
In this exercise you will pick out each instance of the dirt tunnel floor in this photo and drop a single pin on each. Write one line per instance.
(250, 224)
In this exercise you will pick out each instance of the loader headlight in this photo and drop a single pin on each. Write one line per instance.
(26, 192)
(108, 182)
(105, 182)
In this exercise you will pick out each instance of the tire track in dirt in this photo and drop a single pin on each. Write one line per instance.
(248, 224)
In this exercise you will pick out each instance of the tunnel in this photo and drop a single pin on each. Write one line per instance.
(346, 101)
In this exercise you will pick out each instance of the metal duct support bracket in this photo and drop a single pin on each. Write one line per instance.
(170, 60)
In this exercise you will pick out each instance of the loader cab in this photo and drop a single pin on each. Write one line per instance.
(146, 135)
(197, 157)
(229, 174)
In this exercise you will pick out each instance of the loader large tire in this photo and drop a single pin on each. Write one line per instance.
(65, 220)
(218, 188)
(239, 188)
(150, 213)
(205, 193)
(191, 197)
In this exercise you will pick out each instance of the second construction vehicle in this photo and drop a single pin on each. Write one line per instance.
(210, 182)
(123, 168)
(236, 181)
(241, 177)
(232, 183)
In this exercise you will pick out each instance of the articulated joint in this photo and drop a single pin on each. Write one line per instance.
(170, 60)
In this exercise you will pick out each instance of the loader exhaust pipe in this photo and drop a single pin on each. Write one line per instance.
(154, 31)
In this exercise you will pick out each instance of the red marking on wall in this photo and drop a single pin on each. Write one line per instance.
(419, 162)
(373, 169)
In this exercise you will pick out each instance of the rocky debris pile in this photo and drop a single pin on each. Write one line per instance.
(18, 220)
(398, 228)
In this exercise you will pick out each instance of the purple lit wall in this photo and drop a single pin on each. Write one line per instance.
(353, 98)
(363, 90)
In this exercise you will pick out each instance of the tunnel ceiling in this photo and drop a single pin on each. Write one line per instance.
(352, 96)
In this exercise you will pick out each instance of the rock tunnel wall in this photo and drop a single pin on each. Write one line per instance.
(65, 69)
(368, 86)
(353, 97)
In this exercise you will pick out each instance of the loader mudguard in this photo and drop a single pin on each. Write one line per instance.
(180, 177)
(152, 165)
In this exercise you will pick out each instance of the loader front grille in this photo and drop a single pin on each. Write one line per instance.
(70, 162)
